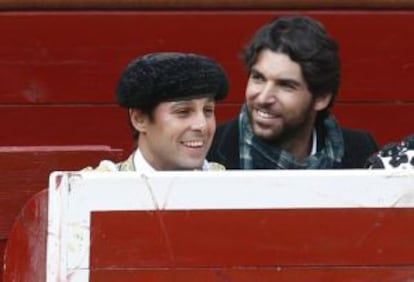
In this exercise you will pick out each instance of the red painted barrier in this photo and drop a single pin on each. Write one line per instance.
(282, 245)
(349, 225)
(25, 171)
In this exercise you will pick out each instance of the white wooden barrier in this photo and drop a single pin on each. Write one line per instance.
(73, 196)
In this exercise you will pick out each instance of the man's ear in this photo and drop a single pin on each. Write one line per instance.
(138, 120)
(322, 101)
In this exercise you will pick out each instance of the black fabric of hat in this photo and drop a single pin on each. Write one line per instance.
(160, 77)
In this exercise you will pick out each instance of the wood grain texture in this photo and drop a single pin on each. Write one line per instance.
(228, 245)
(251, 238)
(79, 59)
(60, 61)
(69, 70)
(264, 245)
(280, 274)
(205, 4)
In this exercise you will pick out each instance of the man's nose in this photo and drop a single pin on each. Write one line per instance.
(199, 122)
(268, 94)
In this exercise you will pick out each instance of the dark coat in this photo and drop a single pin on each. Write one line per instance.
(359, 145)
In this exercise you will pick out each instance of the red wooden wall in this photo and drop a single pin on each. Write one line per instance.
(59, 68)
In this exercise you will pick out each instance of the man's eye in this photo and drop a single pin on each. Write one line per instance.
(287, 85)
(257, 77)
(209, 111)
(182, 112)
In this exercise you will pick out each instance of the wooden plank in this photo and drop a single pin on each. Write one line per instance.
(204, 4)
(254, 238)
(231, 219)
(282, 274)
(47, 66)
(66, 124)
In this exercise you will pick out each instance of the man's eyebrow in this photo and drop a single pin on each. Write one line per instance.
(289, 81)
(255, 71)
(282, 80)
(181, 103)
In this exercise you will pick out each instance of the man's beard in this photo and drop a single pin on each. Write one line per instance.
(291, 131)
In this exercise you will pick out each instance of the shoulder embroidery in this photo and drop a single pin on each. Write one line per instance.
(394, 155)
(109, 166)
(216, 166)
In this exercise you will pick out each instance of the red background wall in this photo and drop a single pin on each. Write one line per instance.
(59, 68)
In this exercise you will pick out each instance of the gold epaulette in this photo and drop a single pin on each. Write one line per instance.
(216, 166)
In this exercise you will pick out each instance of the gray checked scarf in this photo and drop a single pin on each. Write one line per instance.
(256, 154)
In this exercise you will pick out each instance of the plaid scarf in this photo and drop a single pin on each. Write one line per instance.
(256, 154)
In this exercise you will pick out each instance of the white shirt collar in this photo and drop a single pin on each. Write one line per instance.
(314, 143)
(142, 165)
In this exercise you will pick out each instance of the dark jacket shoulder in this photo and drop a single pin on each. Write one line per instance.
(225, 146)
(359, 146)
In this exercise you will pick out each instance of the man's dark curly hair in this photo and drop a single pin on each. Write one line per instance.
(307, 43)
